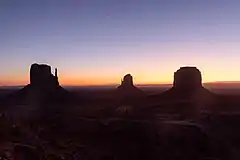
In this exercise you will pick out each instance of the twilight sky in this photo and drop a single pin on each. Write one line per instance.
(99, 41)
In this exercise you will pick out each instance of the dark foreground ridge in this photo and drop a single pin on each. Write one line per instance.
(123, 123)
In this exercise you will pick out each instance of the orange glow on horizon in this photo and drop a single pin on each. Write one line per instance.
(81, 81)
(145, 77)
(112, 81)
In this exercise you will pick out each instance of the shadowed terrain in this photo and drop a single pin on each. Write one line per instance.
(187, 121)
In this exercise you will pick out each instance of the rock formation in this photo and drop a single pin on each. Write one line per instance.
(187, 78)
(43, 88)
(127, 82)
(42, 78)
(187, 81)
(127, 88)
(188, 91)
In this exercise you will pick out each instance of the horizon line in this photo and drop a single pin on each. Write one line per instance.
(137, 84)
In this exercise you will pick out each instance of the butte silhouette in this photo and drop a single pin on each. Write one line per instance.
(127, 88)
(188, 90)
(43, 88)
(187, 83)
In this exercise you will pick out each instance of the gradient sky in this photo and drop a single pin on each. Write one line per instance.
(99, 41)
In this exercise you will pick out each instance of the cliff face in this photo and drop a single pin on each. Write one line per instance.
(127, 88)
(187, 97)
(42, 78)
(187, 78)
(43, 88)
(188, 90)
(127, 82)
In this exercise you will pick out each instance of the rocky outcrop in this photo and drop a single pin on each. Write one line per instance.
(127, 90)
(41, 76)
(187, 81)
(188, 91)
(127, 82)
(43, 88)
(187, 78)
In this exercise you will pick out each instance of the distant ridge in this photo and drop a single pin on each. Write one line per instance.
(12, 87)
(215, 83)
(224, 82)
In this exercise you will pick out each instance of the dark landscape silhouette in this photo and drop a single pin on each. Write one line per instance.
(43, 88)
(44, 120)
(127, 87)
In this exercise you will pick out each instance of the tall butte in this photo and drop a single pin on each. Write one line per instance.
(187, 82)
(127, 82)
(187, 87)
(187, 79)
(42, 78)
(127, 88)
(43, 88)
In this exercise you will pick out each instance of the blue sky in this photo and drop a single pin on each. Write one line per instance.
(98, 41)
